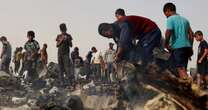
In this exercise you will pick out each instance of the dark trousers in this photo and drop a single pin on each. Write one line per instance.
(65, 67)
(96, 68)
(5, 62)
(16, 66)
(143, 51)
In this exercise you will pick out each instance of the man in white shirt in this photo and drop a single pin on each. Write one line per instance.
(109, 56)
(96, 63)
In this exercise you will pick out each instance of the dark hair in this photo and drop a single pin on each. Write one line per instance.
(31, 33)
(3, 38)
(169, 6)
(62, 27)
(120, 11)
(104, 27)
(20, 48)
(93, 48)
(198, 33)
(45, 45)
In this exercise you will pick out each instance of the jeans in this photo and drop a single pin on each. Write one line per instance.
(96, 68)
(65, 67)
(143, 50)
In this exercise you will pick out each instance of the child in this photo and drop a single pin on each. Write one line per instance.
(202, 62)
(178, 39)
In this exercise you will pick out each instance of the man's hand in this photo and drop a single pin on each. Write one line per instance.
(199, 61)
(168, 48)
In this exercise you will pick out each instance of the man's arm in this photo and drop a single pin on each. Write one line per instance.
(125, 41)
(191, 35)
(167, 39)
(204, 55)
(3, 50)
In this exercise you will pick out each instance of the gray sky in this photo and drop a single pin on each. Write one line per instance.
(83, 17)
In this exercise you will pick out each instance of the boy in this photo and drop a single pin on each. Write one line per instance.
(202, 62)
(5, 55)
(44, 55)
(31, 53)
(178, 39)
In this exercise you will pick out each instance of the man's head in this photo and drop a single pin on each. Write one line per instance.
(30, 35)
(3, 39)
(198, 35)
(20, 49)
(169, 9)
(63, 28)
(76, 49)
(106, 30)
(93, 49)
(45, 46)
(111, 45)
(120, 13)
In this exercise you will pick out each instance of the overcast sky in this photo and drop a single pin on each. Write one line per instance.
(83, 17)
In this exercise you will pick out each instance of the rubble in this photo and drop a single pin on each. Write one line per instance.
(133, 92)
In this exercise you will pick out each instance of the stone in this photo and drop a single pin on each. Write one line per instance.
(18, 100)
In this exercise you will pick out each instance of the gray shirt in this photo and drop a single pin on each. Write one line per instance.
(7, 50)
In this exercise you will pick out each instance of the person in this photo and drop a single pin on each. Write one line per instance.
(5, 55)
(87, 64)
(178, 39)
(89, 56)
(14, 58)
(109, 59)
(135, 36)
(74, 53)
(44, 54)
(17, 59)
(24, 64)
(202, 62)
(96, 63)
(78, 63)
(64, 42)
(31, 53)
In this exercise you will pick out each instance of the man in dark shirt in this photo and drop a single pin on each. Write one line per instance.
(31, 53)
(5, 55)
(64, 42)
(202, 62)
(126, 31)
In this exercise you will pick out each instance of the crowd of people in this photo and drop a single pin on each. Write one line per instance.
(135, 37)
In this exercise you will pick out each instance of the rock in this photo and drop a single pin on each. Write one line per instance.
(74, 103)
(32, 103)
(87, 86)
(162, 102)
(18, 100)
(38, 84)
(54, 90)
(22, 107)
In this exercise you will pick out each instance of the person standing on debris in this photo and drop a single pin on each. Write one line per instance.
(31, 53)
(128, 29)
(109, 59)
(44, 55)
(202, 62)
(88, 64)
(64, 42)
(74, 53)
(6, 55)
(96, 63)
(24, 64)
(78, 63)
(14, 58)
(178, 39)
(17, 59)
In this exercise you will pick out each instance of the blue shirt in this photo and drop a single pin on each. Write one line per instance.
(179, 27)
